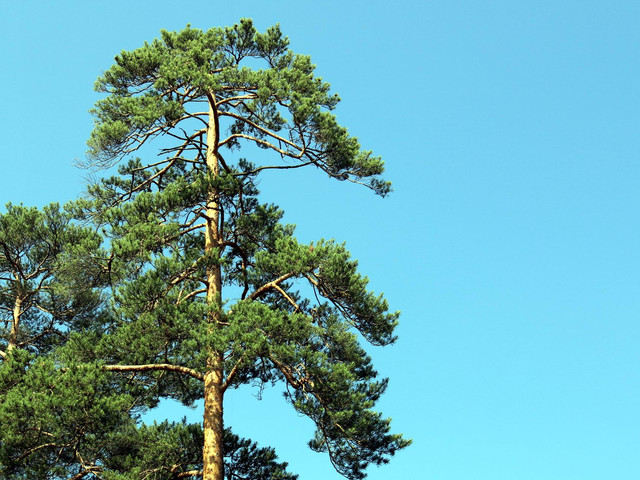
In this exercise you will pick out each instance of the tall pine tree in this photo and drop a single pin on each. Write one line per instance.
(185, 223)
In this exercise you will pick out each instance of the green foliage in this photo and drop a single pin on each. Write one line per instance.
(105, 333)
(279, 106)
(61, 421)
(55, 417)
(47, 268)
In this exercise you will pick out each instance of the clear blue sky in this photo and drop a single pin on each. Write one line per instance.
(511, 131)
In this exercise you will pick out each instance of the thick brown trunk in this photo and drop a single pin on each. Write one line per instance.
(213, 467)
(15, 325)
(212, 454)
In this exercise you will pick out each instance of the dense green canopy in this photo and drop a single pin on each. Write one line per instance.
(115, 322)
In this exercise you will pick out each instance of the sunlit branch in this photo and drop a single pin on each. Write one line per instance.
(190, 295)
(269, 285)
(236, 99)
(40, 447)
(187, 139)
(273, 167)
(146, 167)
(232, 373)
(263, 130)
(190, 473)
(155, 367)
(88, 470)
(285, 295)
(260, 141)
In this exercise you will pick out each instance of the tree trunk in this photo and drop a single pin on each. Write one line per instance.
(213, 467)
(15, 325)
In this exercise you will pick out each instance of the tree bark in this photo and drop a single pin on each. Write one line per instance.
(213, 425)
(15, 325)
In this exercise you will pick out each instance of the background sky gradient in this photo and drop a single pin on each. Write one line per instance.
(511, 133)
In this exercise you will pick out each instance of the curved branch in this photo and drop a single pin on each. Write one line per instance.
(273, 167)
(259, 141)
(266, 131)
(289, 299)
(269, 285)
(190, 295)
(236, 98)
(85, 472)
(286, 371)
(40, 447)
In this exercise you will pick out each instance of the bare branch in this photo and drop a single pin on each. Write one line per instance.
(313, 280)
(269, 285)
(232, 373)
(192, 228)
(285, 295)
(260, 141)
(151, 165)
(264, 130)
(235, 99)
(189, 295)
(90, 469)
(39, 447)
(155, 367)
(190, 473)
(274, 167)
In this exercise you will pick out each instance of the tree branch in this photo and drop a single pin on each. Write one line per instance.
(190, 294)
(285, 295)
(190, 473)
(263, 130)
(274, 167)
(155, 367)
(287, 374)
(232, 374)
(85, 472)
(39, 447)
(260, 141)
(251, 96)
(269, 285)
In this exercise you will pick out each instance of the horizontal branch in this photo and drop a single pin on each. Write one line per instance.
(190, 473)
(273, 167)
(260, 141)
(269, 285)
(155, 367)
(236, 99)
(85, 472)
(264, 130)
(39, 447)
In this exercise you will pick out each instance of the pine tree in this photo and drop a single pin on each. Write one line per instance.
(55, 411)
(190, 222)
(187, 222)
(45, 278)
(64, 415)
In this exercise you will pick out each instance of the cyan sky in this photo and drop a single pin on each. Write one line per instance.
(511, 131)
